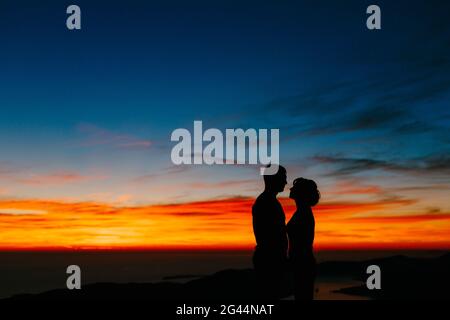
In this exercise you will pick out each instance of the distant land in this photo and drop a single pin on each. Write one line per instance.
(402, 278)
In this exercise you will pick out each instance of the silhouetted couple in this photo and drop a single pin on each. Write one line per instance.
(279, 247)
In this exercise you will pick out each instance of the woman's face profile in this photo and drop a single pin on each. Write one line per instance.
(293, 193)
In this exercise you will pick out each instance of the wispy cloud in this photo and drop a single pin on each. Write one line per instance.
(392, 101)
(162, 173)
(428, 165)
(56, 178)
(355, 187)
(30, 176)
(223, 184)
(96, 136)
(5, 211)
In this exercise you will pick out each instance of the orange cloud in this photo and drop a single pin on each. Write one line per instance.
(53, 178)
(222, 223)
(355, 187)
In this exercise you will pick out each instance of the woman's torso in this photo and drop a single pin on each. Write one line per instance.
(300, 231)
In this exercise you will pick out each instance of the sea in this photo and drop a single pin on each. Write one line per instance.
(35, 272)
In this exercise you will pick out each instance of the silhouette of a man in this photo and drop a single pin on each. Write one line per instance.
(269, 226)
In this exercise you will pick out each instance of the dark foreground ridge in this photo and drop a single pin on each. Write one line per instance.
(401, 278)
(404, 278)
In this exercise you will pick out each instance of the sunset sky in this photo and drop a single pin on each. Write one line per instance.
(86, 119)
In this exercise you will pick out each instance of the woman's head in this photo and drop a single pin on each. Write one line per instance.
(305, 191)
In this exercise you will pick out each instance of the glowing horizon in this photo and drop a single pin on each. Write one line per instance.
(214, 224)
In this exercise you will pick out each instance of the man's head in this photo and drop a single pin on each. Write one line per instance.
(276, 182)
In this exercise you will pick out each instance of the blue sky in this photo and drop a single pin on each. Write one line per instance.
(87, 115)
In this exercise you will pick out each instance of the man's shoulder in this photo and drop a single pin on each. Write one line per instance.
(265, 200)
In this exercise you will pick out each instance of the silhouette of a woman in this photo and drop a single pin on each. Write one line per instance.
(300, 230)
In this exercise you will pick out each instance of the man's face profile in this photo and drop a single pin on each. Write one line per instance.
(278, 181)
